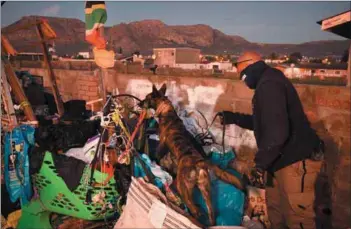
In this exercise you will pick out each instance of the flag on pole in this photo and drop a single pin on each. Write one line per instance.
(95, 18)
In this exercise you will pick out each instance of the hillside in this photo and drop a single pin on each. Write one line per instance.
(147, 34)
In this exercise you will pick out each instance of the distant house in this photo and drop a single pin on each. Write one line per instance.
(174, 57)
(85, 55)
(271, 61)
(133, 59)
(222, 66)
(314, 70)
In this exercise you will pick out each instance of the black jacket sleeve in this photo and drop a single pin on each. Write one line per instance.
(243, 120)
(274, 123)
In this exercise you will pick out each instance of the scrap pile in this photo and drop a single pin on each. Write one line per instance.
(101, 170)
(67, 167)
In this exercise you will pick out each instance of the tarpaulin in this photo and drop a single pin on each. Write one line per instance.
(227, 200)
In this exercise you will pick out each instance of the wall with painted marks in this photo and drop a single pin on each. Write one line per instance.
(193, 98)
(328, 109)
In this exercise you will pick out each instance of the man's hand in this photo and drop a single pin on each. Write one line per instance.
(225, 116)
(256, 178)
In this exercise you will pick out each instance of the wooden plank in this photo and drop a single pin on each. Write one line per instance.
(17, 89)
(102, 72)
(52, 78)
(7, 46)
(7, 100)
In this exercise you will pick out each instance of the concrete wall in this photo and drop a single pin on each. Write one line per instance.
(328, 109)
(187, 56)
(165, 57)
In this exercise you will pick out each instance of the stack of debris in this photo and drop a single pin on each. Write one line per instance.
(103, 170)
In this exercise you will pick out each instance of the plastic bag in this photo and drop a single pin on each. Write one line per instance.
(161, 177)
(17, 175)
(227, 200)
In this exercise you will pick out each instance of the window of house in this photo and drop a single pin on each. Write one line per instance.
(313, 71)
(322, 71)
(172, 53)
(337, 72)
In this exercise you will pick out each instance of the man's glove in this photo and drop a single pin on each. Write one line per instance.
(226, 117)
(256, 178)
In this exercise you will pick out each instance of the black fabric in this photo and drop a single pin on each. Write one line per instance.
(89, 4)
(75, 110)
(123, 178)
(253, 74)
(69, 169)
(242, 120)
(36, 157)
(282, 130)
(35, 94)
(63, 136)
(54, 138)
(7, 206)
(50, 101)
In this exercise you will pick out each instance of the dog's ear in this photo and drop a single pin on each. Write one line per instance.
(163, 89)
(154, 90)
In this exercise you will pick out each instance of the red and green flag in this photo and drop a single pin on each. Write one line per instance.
(95, 18)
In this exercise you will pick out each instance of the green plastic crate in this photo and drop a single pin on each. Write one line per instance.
(56, 197)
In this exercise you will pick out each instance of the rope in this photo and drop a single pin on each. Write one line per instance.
(131, 139)
(116, 117)
(24, 104)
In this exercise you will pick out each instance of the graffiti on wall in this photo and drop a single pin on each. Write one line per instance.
(198, 97)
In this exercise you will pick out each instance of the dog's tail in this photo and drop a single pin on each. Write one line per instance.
(227, 177)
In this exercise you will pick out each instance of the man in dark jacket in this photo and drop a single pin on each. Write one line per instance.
(289, 155)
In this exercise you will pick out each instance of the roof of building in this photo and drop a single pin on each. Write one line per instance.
(176, 48)
(339, 24)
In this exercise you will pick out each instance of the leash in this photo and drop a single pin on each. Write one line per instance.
(204, 135)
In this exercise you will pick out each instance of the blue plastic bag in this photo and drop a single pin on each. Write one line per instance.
(227, 201)
(17, 177)
(161, 176)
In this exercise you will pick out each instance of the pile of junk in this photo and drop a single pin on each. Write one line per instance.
(104, 169)
(134, 163)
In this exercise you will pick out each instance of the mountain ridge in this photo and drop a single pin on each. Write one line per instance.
(147, 34)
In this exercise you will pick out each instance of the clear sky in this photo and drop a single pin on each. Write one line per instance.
(266, 22)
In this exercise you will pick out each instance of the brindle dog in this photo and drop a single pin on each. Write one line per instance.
(193, 170)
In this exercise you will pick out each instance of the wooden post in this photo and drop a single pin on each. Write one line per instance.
(18, 92)
(102, 85)
(7, 100)
(52, 78)
(7, 49)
